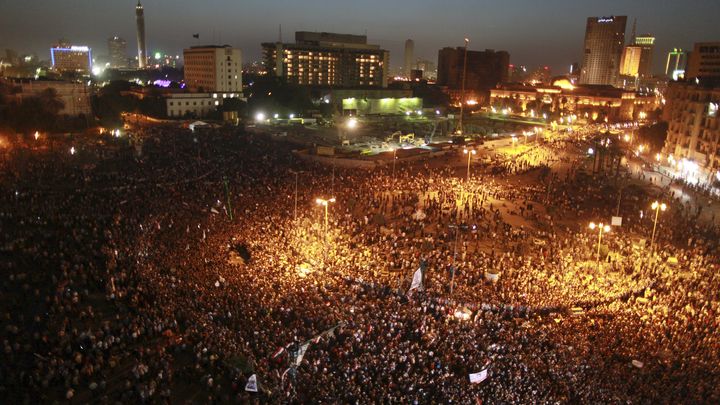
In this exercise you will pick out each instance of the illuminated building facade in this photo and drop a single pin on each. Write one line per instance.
(676, 64)
(140, 21)
(117, 49)
(693, 137)
(592, 102)
(604, 41)
(71, 58)
(630, 61)
(704, 60)
(328, 60)
(213, 69)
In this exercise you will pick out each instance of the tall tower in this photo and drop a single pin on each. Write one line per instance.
(142, 51)
(409, 56)
(604, 42)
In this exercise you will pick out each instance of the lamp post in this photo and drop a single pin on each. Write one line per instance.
(470, 153)
(657, 206)
(462, 95)
(601, 228)
(394, 158)
(296, 173)
(325, 203)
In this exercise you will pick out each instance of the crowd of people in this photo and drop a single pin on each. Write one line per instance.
(174, 270)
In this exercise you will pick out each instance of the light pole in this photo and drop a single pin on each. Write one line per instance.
(325, 203)
(462, 95)
(394, 158)
(657, 206)
(601, 228)
(296, 192)
(470, 153)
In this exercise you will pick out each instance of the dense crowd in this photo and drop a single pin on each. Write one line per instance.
(173, 270)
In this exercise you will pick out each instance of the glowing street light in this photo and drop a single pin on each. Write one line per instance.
(470, 153)
(72, 150)
(657, 206)
(260, 117)
(37, 135)
(325, 203)
(601, 228)
(352, 123)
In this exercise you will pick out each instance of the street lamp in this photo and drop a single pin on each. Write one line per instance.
(352, 123)
(394, 158)
(325, 203)
(601, 228)
(470, 153)
(657, 206)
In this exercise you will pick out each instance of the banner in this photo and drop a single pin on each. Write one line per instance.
(417, 280)
(476, 378)
(251, 384)
(301, 353)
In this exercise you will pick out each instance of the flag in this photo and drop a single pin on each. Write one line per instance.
(196, 36)
(301, 353)
(638, 363)
(251, 384)
(282, 378)
(277, 353)
(417, 280)
(478, 377)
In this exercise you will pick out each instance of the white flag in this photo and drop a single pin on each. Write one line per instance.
(417, 280)
(478, 377)
(301, 353)
(251, 384)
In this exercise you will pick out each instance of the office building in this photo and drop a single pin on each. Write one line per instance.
(75, 96)
(704, 60)
(676, 64)
(604, 41)
(630, 61)
(428, 68)
(646, 43)
(213, 68)
(117, 49)
(693, 135)
(140, 21)
(67, 58)
(327, 59)
(409, 57)
(485, 69)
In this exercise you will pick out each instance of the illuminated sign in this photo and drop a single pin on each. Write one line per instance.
(606, 19)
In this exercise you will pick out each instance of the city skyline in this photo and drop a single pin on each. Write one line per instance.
(519, 27)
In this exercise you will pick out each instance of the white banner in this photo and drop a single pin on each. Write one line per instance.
(417, 280)
(478, 377)
(251, 384)
(301, 353)
(616, 221)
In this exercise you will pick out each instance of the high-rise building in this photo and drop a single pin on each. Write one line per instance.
(213, 68)
(409, 57)
(693, 118)
(676, 63)
(327, 59)
(117, 49)
(142, 50)
(604, 41)
(71, 58)
(704, 60)
(428, 68)
(630, 61)
(485, 69)
(646, 43)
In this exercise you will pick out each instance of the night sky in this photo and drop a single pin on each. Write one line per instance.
(535, 32)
